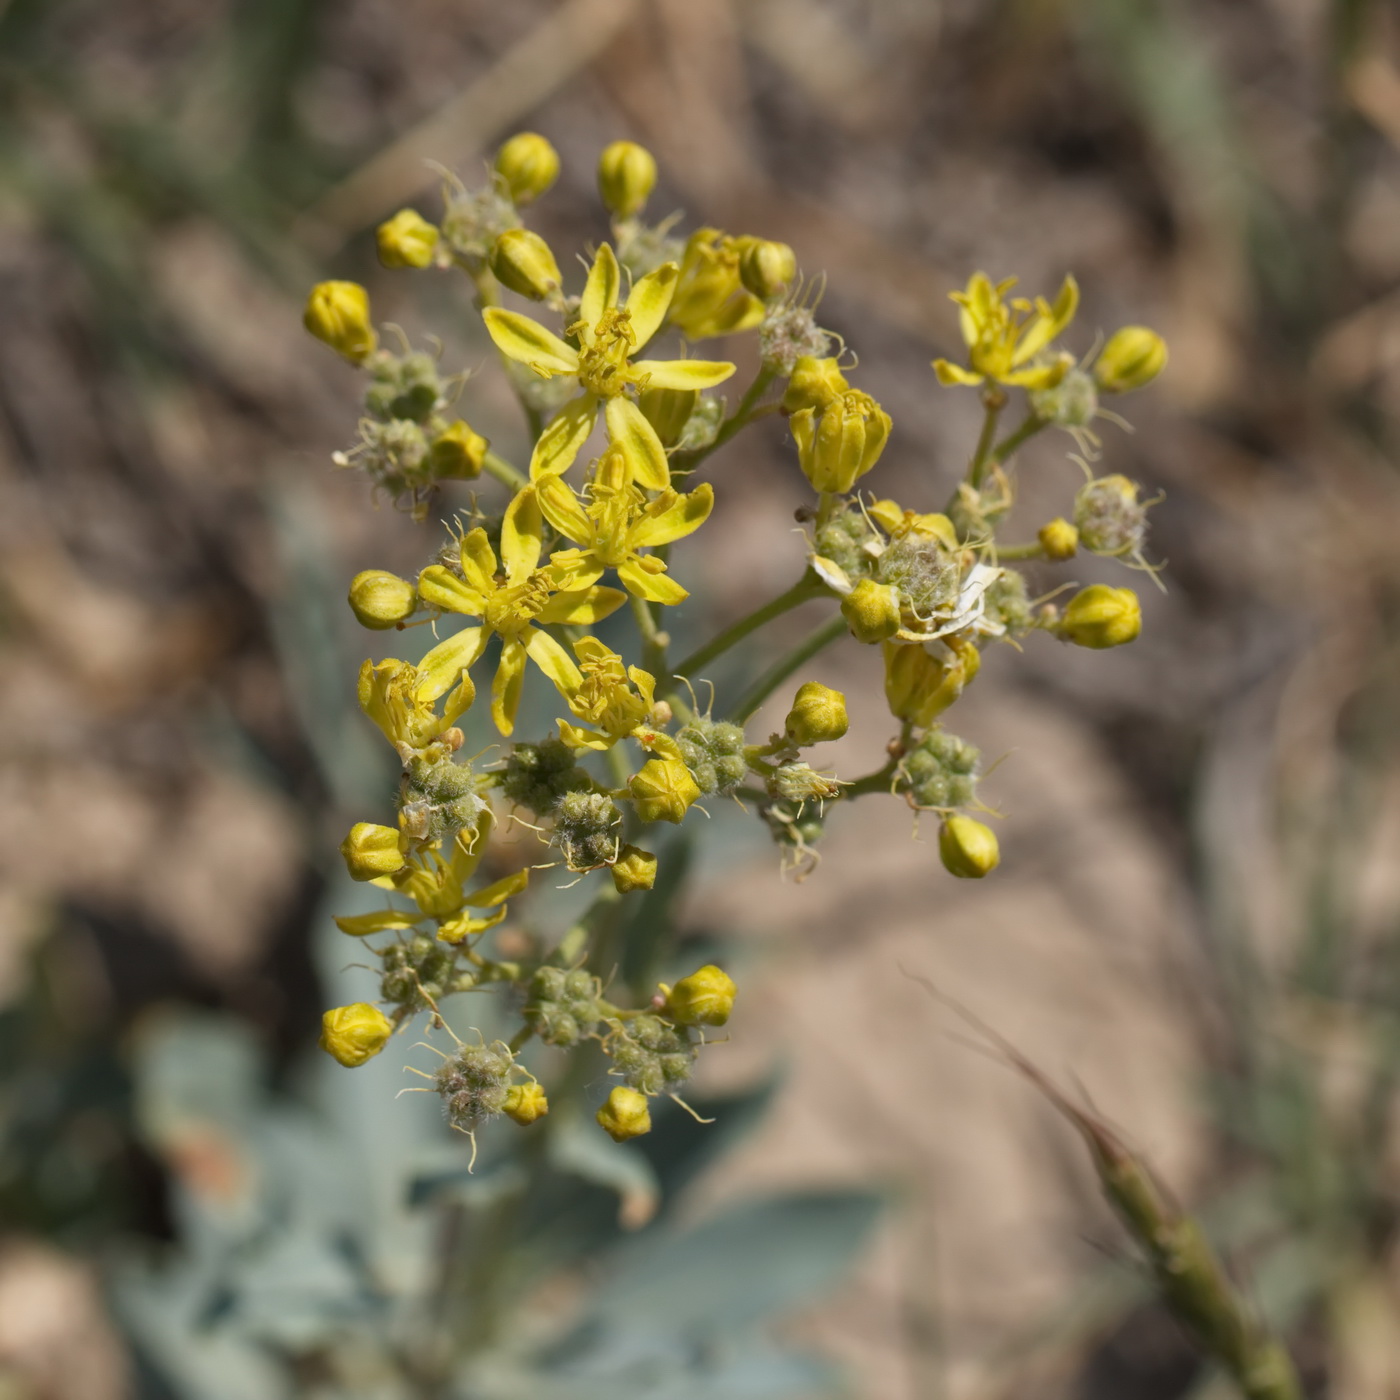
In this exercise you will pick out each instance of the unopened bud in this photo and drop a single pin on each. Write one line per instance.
(371, 851)
(818, 715)
(338, 314)
(871, 611)
(767, 269)
(662, 789)
(838, 448)
(626, 177)
(528, 165)
(814, 383)
(354, 1034)
(705, 998)
(1134, 356)
(625, 1115)
(1101, 616)
(634, 869)
(522, 261)
(406, 240)
(381, 600)
(1059, 539)
(968, 848)
(525, 1103)
(457, 452)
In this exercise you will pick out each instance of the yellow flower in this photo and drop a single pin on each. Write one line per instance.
(1002, 337)
(625, 1115)
(710, 295)
(617, 698)
(705, 998)
(838, 447)
(438, 887)
(617, 524)
(354, 1034)
(608, 336)
(401, 698)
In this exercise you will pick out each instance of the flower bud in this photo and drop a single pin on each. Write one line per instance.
(381, 600)
(1134, 356)
(662, 789)
(354, 1034)
(406, 240)
(920, 686)
(626, 177)
(968, 848)
(814, 383)
(371, 851)
(522, 261)
(767, 269)
(625, 1115)
(818, 715)
(634, 869)
(668, 411)
(1059, 539)
(338, 314)
(838, 448)
(525, 1103)
(871, 611)
(1101, 616)
(705, 998)
(528, 165)
(457, 452)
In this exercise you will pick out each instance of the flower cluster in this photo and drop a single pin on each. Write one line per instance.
(622, 426)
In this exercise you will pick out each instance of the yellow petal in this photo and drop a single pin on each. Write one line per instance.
(507, 684)
(577, 737)
(583, 605)
(573, 569)
(563, 437)
(636, 439)
(675, 519)
(1049, 322)
(684, 374)
(949, 373)
(443, 665)
(562, 509)
(525, 340)
(650, 300)
(468, 848)
(654, 587)
(461, 928)
(553, 660)
(381, 921)
(599, 292)
(443, 589)
(521, 535)
(500, 891)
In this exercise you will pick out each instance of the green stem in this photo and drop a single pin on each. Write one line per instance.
(809, 586)
(1032, 550)
(654, 640)
(502, 470)
(776, 674)
(993, 401)
(740, 418)
(1012, 441)
(872, 782)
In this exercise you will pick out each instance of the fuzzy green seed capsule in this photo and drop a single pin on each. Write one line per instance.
(871, 611)
(354, 1034)
(625, 1115)
(1134, 356)
(528, 165)
(522, 261)
(1101, 616)
(626, 177)
(406, 240)
(818, 715)
(968, 848)
(381, 600)
(338, 314)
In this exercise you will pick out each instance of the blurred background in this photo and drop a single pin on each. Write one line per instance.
(1197, 919)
